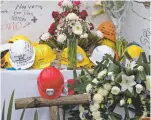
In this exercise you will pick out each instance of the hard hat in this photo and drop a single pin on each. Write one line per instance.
(107, 42)
(7, 61)
(50, 83)
(82, 59)
(44, 56)
(99, 52)
(22, 54)
(134, 51)
(19, 37)
(108, 30)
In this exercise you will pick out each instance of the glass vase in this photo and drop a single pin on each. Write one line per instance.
(72, 52)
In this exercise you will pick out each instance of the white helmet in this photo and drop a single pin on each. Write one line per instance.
(22, 54)
(99, 52)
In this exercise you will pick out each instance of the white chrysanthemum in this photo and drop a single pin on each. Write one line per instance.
(94, 107)
(148, 82)
(98, 98)
(88, 88)
(115, 90)
(122, 102)
(110, 74)
(99, 34)
(95, 81)
(102, 73)
(102, 92)
(77, 29)
(67, 3)
(139, 88)
(85, 35)
(140, 68)
(96, 115)
(72, 16)
(81, 108)
(61, 38)
(45, 36)
(107, 86)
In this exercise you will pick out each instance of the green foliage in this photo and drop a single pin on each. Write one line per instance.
(9, 113)
(36, 115)
(3, 111)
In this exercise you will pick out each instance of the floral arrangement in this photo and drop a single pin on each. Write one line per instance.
(69, 23)
(123, 85)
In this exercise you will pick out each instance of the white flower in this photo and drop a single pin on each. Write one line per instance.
(95, 81)
(102, 73)
(139, 88)
(111, 75)
(82, 117)
(81, 108)
(67, 3)
(85, 35)
(72, 16)
(88, 88)
(115, 90)
(94, 107)
(96, 115)
(99, 34)
(45, 36)
(102, 92)
(122, 102)
(107, 86)
(127, 83)
(140, 68)
(148, 82)
(77, 29)
(98, 98)
(130, 65)
(61, 38)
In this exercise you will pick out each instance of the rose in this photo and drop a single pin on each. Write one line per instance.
(52, 28)
(70, 90)
(91, 26)
(60, 3)
(64, 14)
(55, 14)
(76, 3)
(83, 14)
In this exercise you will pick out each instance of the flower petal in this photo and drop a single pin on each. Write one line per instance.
(130, 89)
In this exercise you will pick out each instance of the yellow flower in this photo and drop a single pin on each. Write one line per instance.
(129, 101)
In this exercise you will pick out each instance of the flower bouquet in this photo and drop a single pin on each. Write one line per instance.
(119, 90)
(70, 29)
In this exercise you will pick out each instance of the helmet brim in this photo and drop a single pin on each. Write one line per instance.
(24, 65)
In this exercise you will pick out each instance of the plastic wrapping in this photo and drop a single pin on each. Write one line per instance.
(117, 12)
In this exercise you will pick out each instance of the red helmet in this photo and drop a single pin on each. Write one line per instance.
(50, 83)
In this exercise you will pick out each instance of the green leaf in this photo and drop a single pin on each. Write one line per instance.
(144, 57)
(113, 68)
(80, 87)
(9, 113)
(118, 78)
(23, 112)
(3, 112)
(117, 116)
(36, 115)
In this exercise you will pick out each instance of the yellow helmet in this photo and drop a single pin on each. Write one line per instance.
(19, 37)
(107, 42)
(7, 61)
(34, 44)
(80, 53)
(44, 56)
(134, 51)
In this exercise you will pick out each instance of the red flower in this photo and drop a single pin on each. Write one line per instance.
(91, 26)
(70, 90)
(83, 14)
(52, 28)
(55, 14)
(76, 3)
(64, 14)
(60, 3)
